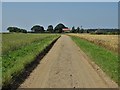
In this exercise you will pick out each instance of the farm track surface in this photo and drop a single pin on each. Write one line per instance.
(66, 66)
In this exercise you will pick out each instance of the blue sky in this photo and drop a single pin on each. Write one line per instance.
(59, 0)
(0, 16)
(87, 14)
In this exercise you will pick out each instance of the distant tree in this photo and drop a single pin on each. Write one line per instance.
(87, 31)
(50, 29)
(38, 29)
(59, 27)
(23, 30)
(73, 30)
(78, 30)
(16, 29)
(13, 29)
(82, 30)
(42, 29)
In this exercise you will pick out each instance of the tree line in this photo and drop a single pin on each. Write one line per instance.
(77, 30)
(59, 29)
(16, 29)
(39, 29)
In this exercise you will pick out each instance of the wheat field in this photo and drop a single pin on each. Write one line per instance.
(108, 41)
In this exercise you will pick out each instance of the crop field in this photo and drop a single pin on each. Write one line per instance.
(18, 50)
(106, 59)
(11, 42)
(108, 41)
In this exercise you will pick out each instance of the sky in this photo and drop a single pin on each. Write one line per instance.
(86, 14)
(0, 16)
(59, 0)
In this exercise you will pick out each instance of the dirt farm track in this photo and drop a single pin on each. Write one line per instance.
(66, 66)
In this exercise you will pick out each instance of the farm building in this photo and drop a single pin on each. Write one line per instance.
(66, 30)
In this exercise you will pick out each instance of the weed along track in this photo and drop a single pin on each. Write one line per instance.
(66, 66)
(19, 78)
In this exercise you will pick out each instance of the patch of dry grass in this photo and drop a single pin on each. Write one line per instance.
(108, 41)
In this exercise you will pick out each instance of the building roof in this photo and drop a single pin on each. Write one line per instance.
(66, 29)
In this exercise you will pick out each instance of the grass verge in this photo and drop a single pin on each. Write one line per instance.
(14, 62)
(14, 41)
(107, 60)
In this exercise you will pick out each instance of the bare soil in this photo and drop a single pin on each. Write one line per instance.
(67, 66)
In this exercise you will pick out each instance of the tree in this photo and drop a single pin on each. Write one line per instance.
(82, 30)
(50, 29)
(73, 30)
(59, 28)
(16, 29)
(42, 29)
(23, 30)
(13, 29)
(38, 29)
(78, 30)
(87, 31)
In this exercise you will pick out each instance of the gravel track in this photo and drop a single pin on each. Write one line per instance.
(66, 66)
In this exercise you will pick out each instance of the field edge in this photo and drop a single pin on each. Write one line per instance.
(94, 64)
(17, 80)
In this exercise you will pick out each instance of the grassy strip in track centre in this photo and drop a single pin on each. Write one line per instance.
(14, 62)
(104, 58)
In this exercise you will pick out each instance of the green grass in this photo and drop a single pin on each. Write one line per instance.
(104, 58)
(13, 41)
(13, 62)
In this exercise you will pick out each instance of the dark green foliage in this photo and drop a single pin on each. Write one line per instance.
(104, 31)
(50, 29)
(37, 29)
(82, 30)
(59, 27)
(73, 30)
(23, 30)
(12, 29)
(87, 31)
(78, 30)
(16, 29)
